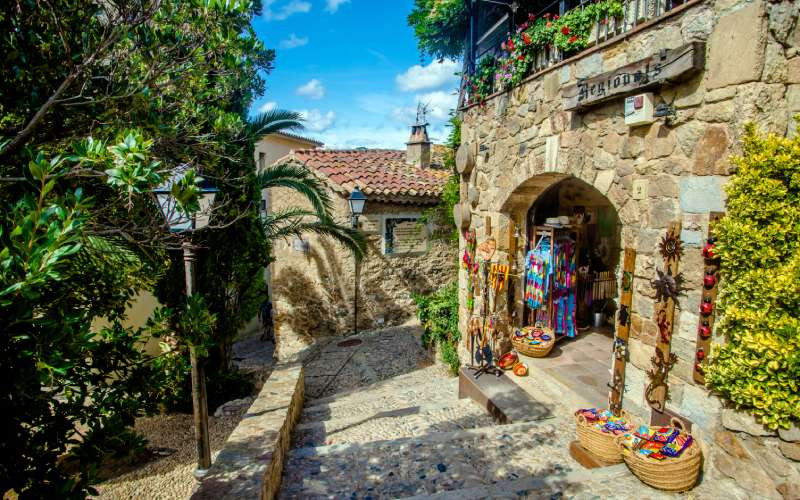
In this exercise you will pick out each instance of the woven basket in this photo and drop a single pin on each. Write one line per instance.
(674, 474)
(600, 444)
(534, 351)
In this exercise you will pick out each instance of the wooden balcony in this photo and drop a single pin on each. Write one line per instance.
(637, 16)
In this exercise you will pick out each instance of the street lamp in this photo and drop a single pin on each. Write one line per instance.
(179, 222)
(357, 200)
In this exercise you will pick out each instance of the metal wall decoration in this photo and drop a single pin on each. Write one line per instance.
(709, 298)
(666, 285)
(622, 328)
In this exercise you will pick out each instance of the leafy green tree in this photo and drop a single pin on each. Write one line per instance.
(758, 368)
(99, 101)
(440, 27)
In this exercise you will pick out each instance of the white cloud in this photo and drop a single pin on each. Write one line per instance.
(317, 121)
(267, 107)
(439, 104)
(333, 5)
(289, 8)
(293, 42)
(386, 136)
(432, 76)
(313, 89)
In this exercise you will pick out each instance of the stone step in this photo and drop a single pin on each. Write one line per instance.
(595, 483)
(429, 375)
(359, 427)
(432, 463)
(388, 397)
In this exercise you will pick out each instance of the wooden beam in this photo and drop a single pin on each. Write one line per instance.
(623, 325)
(657, 391)
(710, 286)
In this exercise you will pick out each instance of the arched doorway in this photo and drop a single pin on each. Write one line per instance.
(585, 232)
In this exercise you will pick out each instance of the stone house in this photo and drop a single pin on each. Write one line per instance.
(558, 144)
(314, 278)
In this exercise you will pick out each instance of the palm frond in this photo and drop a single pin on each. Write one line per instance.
(300, 179)
(296, 222)
(276, 120)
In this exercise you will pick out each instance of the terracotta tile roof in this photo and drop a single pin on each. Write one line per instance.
(382, 174)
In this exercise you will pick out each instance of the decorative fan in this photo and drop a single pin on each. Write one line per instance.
(667, 286)
(671, 246)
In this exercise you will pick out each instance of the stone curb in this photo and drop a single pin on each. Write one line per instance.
(251, 463)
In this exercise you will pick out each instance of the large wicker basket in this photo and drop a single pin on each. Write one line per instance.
(600, 444)
(674, 474)
(540, 350)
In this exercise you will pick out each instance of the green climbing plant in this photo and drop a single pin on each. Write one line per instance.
(438, 313)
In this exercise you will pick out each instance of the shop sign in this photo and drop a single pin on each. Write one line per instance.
(669, 65)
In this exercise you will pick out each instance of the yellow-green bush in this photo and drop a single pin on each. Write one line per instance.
(759, 243)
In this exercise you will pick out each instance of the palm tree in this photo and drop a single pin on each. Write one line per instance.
(295, 221)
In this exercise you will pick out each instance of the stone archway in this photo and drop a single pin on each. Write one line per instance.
(582, 361)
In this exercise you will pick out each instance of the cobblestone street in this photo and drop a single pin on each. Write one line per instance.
(381, 421)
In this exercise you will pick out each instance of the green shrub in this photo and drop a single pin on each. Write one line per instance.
(758, 369)
(438, 313)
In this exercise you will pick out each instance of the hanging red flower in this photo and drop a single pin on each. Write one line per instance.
(510, 45)
(526, 39)
(546, 16)
(573, 39)
(549, 24)
(565, 30)
(531, 17)
(556, 17)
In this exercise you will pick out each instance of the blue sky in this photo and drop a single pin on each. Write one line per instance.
(353, 68)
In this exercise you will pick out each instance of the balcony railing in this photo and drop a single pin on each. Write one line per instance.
(489, 45)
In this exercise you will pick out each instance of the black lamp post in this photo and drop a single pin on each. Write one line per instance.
(357, 200)
(179, 222)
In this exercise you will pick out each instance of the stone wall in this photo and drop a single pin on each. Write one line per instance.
(250, 465)
(313, 289)
(752, 74)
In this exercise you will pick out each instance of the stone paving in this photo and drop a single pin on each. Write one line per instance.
(388, 424)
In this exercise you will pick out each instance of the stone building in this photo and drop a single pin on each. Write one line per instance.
(558, 143)
(314, 279)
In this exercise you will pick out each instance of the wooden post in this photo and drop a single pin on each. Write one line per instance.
(657, 391)
(623, 325)
(710, 287)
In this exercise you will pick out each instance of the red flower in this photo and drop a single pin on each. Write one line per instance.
(531, 17)
(510, 45)
(521, 58)
(526, 38)
(549, 46)
(546, 16)
(573, 39)
(555, 18)
(565, 30)
(549, 24)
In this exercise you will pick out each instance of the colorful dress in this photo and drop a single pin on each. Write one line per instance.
(538, 269)
(564, 275)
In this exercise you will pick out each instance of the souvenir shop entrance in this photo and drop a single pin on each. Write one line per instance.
(569, 283)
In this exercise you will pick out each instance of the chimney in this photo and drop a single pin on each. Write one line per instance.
(418, 147)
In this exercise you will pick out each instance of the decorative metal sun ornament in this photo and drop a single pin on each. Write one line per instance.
(666, 286)
(671, 247)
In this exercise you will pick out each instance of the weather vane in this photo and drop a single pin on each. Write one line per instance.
(422, 114)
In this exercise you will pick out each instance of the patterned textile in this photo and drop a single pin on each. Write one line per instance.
(538, 269)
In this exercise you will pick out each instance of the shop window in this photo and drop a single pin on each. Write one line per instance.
(404, 235)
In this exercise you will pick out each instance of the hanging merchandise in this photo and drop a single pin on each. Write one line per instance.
(470, 264)
(563, 290)
(538, 267)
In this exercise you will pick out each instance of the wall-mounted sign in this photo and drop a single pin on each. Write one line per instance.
(669, 65)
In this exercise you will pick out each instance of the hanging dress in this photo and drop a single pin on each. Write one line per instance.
(564, 275)
(537, 274)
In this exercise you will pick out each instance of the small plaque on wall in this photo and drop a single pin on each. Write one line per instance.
(370, 224)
